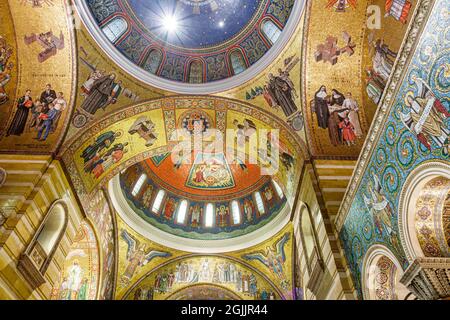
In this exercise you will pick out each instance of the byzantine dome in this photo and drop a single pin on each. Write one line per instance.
(207, 45)
(208, 199)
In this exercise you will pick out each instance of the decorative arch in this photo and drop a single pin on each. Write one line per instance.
(204, 292)
(80, 277)
(145, 286)
(381, 273)
(152, 109)
(422, 204)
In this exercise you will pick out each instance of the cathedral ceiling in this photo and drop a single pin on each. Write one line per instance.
(102, 101)
(192, 42)
(345, 31)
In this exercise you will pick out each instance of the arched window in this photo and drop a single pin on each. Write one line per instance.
(307, 232)
(153, 61)
(158, 201)
(236, 212)
(271, 31)
(237, 62)
(138, 185)
(259, 203)
(278, 189)
(115, 28)
(52, 229)
(182, 210)
(196, 72)
(209, 215)
(35, 260)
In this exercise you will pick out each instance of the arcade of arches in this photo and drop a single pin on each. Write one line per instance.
(226, 150)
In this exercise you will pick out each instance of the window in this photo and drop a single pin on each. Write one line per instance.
(158, 201)
(52, 229)
(153, 61)
(259, 203)
(138, 186)
(278, 189)
(209, 215)
(196, 72)
(37, 256)
(182, 210)
(271, 31)
(236, 212)
(115, 29)
(308, 234)
(237, 62)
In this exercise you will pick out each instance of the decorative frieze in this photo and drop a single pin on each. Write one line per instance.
(428, 278)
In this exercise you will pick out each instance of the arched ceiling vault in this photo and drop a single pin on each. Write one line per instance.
(273, 83)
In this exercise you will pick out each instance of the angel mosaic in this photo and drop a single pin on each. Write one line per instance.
(380, 209)
(138, 255)
(273, 258)
(426, 117)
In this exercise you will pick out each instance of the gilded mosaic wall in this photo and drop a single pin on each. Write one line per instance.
(380, 45)
(93, 66)
(211, 271)
(35, 117)
(8, 61)
(80, 274)
(336, 104)
(103, 219)
(153, 271)
(113, 141)
(416, 130)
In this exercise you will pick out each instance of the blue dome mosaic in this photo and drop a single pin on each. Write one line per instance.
(201, 23)
(192, 41)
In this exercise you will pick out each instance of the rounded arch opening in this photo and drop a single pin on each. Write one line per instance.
(52, 228)
(424, 212)
(381, 275)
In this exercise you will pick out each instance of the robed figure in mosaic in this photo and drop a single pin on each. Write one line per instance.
(426, 117)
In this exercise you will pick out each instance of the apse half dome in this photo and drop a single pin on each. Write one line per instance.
(206, 45)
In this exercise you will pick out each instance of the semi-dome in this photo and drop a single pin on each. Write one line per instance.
(208, 199)
(200, 43)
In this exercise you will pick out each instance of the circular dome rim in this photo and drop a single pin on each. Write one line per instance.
(161, 83)
(194, 245)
